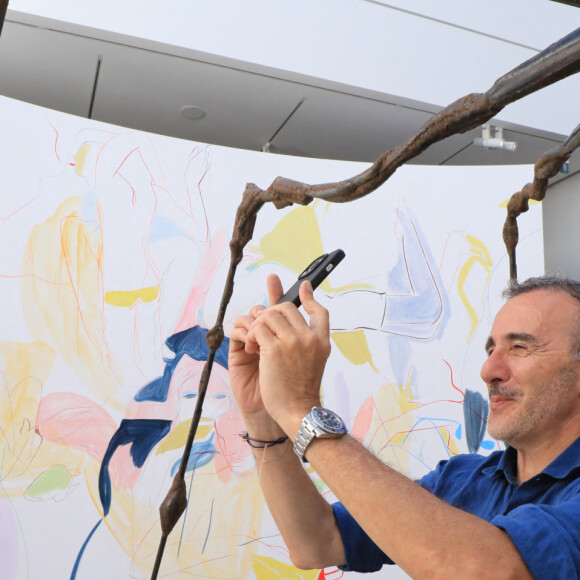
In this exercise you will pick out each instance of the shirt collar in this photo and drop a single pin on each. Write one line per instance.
(508, 464)
(567, 461)
(560, 468)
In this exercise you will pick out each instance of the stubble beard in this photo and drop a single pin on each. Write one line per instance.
(547, 400)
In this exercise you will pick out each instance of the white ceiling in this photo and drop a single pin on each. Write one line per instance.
(145, 87)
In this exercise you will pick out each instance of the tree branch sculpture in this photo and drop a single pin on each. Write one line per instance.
(3, 9)
(556, 62)
(547, 166)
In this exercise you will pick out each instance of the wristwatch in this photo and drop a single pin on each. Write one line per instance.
(319, 423)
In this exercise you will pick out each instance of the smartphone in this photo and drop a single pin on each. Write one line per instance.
(316, 272)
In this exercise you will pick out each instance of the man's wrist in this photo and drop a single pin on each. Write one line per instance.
(320, 423)
(292, 421)
(263, 427)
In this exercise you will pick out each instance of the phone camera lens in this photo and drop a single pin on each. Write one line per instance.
(312, 266)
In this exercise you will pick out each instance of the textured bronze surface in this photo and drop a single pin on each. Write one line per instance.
(3, 8)
(547, 166)
(556, 62)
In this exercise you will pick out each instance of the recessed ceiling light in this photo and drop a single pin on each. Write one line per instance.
(192, 112)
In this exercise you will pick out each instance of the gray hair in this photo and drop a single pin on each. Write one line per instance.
(552, 283)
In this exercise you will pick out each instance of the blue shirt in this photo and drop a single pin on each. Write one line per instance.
(541, 516)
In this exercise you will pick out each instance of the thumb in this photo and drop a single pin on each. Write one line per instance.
(319, 322)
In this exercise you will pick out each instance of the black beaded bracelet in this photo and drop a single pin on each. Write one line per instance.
(250, 441)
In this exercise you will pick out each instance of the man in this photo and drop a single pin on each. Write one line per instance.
(514, 514)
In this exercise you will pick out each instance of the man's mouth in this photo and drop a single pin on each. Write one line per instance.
(497, 401)
(498, 397)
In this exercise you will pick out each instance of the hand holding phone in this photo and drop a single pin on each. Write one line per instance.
(316, 273)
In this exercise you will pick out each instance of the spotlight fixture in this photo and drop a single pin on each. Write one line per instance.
(492, 138)
(193, 112)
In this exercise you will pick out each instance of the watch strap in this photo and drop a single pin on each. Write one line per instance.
(311, 429)
(305, 435)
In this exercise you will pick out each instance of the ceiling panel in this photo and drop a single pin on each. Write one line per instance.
(47, 68)
(341, 126)
(144, 89)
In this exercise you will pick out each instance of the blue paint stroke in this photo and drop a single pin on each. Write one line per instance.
(209, 526)
(186, 509)
(75, 569)
(400, 358)
(475, 412)
(143, 435)
(417, 304)
(260, 539)
(189, 342)
(433, 422)
(162, 228)
(197, 457)
(202, 453)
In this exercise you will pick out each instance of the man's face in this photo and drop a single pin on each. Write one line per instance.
(530, 374)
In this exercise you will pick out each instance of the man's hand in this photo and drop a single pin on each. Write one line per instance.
(292, 356)
(244, 358)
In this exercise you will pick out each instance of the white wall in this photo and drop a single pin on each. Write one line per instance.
(412, 49)
(561, 217)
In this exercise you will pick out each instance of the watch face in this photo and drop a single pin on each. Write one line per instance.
(328, 420)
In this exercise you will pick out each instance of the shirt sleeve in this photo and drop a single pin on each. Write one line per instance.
(547, 538)
(429, 481)
(362, 554)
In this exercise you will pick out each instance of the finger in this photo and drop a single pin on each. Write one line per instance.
(255, 311)
(240, 338)
(244, 321)
(272, 324)
(319, 320)
(275, 290)
(238, 333)
(263, 331)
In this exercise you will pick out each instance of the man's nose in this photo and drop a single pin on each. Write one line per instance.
(495, 368)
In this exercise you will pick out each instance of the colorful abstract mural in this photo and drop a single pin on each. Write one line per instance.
(115, 250)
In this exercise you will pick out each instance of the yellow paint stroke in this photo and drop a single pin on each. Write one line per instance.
(398, 439)
(24, 455)
(126, 298)
(272, 569)
(63, 297)
(449, 440)
(479, 255)
(217, 537)
(353, 345)
(294, 242)
(178, 436)
(81, 158)
(505, 202)
(390, 435)
(406, 399)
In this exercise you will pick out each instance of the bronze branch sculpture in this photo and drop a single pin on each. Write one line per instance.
(3, 9)
(547, 166)
(556, 62)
